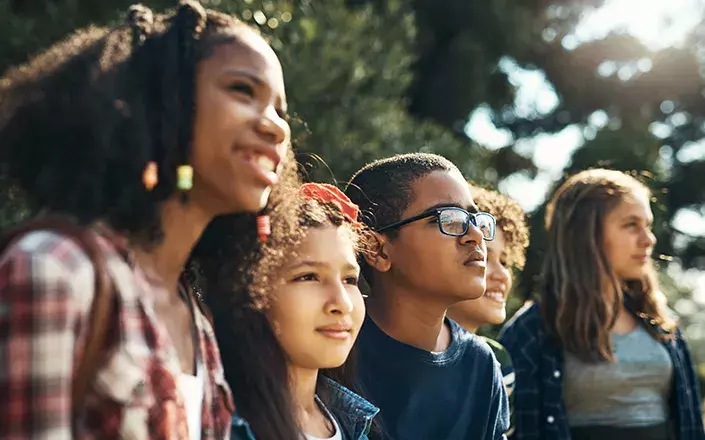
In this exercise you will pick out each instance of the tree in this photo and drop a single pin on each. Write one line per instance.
(655, 95)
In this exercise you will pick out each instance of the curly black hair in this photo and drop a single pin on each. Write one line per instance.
(511, 220)
(80, 121)
(238, 287)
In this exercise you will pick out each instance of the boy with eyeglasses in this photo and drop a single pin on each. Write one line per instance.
(432, 379)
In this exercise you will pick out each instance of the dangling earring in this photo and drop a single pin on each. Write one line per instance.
(264, 228)
(184, 178)
(150, 176)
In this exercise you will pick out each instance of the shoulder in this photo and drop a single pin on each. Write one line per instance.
(46, 246)
(475, 347)
(43, 264)
(345, 400)
(525, 323)
(44, 257)
(499, 351)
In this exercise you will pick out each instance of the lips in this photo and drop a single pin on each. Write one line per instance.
(338, 327)
(266, 163)
(263, 161)
(476, 258)
(339, 331)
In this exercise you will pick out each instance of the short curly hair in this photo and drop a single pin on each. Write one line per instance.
(80, 122)
(511, 220)
(383, 189)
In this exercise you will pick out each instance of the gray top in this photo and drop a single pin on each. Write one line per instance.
(631, 392)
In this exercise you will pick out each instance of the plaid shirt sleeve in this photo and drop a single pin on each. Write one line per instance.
(519, 337)
(687, 393)
(38, 320)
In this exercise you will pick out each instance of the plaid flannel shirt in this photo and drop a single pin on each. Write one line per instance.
(539, 412)
(46, 291)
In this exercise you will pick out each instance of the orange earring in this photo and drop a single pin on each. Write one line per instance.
(264, 228)
(150, 176)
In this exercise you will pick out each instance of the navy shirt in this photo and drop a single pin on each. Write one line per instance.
(457, 394)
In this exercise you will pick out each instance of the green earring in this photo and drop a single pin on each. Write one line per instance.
(184, 177)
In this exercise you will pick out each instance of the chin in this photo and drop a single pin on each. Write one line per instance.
(331, 362)
(635, 276)
(476, 293)
(496, 319)
(252, 201)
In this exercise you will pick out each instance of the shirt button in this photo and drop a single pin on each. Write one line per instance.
(550, 419)
(556, 374)
(207, 432)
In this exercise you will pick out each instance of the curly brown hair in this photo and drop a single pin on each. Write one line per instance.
(511, 220)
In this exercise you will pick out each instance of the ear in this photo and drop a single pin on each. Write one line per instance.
(378, 256)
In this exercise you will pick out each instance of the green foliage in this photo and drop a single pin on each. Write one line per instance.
(392, 76)
(347, 71)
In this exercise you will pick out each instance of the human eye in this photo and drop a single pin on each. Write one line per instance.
(242, 87)
(352, 280)
(306, 277)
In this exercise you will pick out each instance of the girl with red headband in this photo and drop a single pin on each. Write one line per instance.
(285, 336)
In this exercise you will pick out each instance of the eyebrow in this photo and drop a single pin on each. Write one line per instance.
(256, 79)
(319, 264)
(259, 82)
(469, 208)
(631, 217)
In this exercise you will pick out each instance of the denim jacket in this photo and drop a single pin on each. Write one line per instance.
(538, 360)
(353, 413)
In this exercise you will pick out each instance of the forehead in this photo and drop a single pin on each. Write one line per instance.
(327, 244)
(633, 205)
(439, 187)
(247, 52)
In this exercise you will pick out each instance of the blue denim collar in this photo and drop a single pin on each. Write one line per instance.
(353, 413)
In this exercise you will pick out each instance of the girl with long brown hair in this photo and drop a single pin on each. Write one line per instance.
(600, 355)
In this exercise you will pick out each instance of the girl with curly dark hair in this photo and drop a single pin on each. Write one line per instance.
(130, 140)
(287, 331)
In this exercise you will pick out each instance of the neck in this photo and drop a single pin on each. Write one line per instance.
(467, 324)
(303, 390)
(182, 225)
(410, 317)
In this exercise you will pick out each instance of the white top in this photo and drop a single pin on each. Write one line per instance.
(192, 389)
(338, 434)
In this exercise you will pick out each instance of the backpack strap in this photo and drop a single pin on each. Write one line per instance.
(101, 309)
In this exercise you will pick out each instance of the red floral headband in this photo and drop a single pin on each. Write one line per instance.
(324, 192)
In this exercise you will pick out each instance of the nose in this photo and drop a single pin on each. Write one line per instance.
(339, 301)
(473, 234)
(272, 126)
(648, 239)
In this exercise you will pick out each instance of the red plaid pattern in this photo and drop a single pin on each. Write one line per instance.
(46, 290)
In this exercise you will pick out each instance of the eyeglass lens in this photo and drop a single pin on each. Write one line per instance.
(455, 222)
